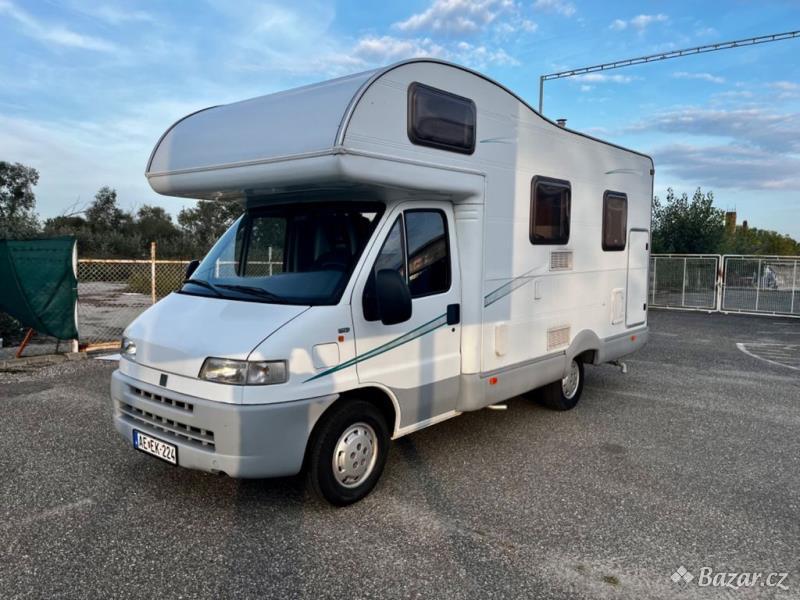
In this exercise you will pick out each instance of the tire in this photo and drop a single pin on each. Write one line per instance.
(565, 393)
(353, 431)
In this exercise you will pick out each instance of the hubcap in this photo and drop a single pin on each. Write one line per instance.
(569, 385)
(355, 455)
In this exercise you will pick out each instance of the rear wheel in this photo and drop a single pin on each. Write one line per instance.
(348, 452)
(564, 394)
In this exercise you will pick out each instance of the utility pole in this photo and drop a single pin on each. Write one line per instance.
(763, 39)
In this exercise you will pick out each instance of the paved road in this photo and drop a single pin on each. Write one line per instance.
(691, 459)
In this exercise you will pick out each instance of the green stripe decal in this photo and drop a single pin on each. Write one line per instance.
(423, 329)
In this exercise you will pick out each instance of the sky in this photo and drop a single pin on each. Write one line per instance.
(87, 86)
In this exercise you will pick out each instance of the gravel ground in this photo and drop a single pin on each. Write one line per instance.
(692, 459)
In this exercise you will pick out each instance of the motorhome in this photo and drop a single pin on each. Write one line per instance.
(417, 242)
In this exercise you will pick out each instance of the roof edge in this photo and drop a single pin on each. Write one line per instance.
(348, 113)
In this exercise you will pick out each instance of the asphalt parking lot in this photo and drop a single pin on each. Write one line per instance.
(691, 459)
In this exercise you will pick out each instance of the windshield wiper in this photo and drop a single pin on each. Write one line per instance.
(255, 291)
(204, 284)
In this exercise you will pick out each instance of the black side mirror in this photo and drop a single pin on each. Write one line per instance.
(394, 297)
(191, 268)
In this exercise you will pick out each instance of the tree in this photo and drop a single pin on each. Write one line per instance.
(683, 226)
(103, 214)
(17, 200)
(207, 221)
(155, 224)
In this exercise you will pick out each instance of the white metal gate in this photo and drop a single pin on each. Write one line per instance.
(684, 281)
(762, 284)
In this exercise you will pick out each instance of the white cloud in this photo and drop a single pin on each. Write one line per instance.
(374, 50)
(700, 76)
(456, 16)
(604, 78)
(730, 166)
(117, 15)
(386, 49)
(560, 7)
(638, 23)
(53, 34)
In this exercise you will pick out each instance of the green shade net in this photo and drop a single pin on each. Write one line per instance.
(38, 285)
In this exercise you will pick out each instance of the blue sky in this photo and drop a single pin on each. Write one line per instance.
(87, 87)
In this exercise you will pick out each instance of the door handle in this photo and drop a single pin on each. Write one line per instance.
(453, 314)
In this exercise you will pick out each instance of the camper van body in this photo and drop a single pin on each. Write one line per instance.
(513, 304)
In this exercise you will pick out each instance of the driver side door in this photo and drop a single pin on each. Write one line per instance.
(419, 359)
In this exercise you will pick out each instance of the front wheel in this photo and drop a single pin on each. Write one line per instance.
(348, 452)
(564, 394)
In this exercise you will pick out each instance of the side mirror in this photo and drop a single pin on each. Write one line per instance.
(191, 268)
(394, 297)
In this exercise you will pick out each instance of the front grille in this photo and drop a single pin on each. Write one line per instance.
(179, 404)
(203, 438)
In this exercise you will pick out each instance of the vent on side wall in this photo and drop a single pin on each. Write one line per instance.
(561, 260)
(557, 337)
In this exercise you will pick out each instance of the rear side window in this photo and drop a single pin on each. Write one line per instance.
(550, 211)
(615, 221)
(440, 119)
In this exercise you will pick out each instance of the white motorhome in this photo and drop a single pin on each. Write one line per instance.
(417, 242)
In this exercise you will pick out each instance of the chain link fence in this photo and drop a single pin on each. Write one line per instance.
(112, 293)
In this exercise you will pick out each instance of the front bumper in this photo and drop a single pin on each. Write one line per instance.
(247, 441)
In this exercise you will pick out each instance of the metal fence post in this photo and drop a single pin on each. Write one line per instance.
(794, 287)
(719, 288)
(153, 272)
(683, 292)
(269, 258)
(758, 282)
(655, 274)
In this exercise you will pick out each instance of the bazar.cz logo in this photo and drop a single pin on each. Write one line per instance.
(706, 577)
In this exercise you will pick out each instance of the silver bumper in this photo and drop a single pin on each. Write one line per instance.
(247, 441)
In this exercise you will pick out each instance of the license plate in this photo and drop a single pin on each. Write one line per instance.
(155, 447)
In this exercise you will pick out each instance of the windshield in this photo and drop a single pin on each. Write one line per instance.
(289, 254)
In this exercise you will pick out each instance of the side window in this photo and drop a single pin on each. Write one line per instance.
(428, 253)
(615, 221)
(417, 247)
(550, 211)
(393, 257)
(440, 119)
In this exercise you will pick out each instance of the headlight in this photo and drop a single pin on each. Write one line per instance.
(128, 347)
(241, 372)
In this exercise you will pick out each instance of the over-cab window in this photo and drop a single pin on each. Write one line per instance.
(550, 211)
(615, 221)
(440, 119)
(417, 247)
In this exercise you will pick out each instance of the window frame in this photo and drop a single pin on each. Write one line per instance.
(562, 183)
(618, 195)
(411, 114)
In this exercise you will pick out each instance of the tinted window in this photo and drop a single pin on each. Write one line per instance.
(440, 119)
(550, 210)
(615, 221)
(417, 247)
(428, 256)
(393, 257)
